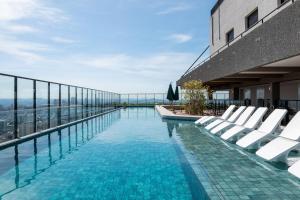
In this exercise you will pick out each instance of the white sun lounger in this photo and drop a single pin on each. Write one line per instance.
(231, 119)
(279, 148)
(201, 119)
(240, 121)
(225, 116)
(254, 121)
(295, 169)
(268, 127)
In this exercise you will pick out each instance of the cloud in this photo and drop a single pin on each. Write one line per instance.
(12, 10)
(13, 14)
(26, 51)
(16, 28)
(174, 9)
(180, 38)
(157, 65)
(63, 40)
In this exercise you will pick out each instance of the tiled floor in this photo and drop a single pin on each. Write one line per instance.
(227, 172)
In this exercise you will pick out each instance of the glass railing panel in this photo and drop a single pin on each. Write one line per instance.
(25, 107)
(41, 105)
(64, 104)
(54, 104)
(73, 108)
(6, 108)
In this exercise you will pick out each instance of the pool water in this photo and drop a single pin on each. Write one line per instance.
(126, 154)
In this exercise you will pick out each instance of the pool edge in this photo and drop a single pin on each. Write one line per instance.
(26, 138)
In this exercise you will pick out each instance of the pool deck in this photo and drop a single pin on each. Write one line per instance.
(166, 114)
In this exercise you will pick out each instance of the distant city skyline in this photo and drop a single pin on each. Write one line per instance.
(114, 45)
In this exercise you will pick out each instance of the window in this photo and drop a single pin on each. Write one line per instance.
(252, 19)
(260, 93)
(230, 36)
(281, 2)
(219, 21)
(247, 94)
(212, 30)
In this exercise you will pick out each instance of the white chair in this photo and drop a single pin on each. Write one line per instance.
(254, 121)
(201, 119)
(240, 121)
(225, 116)
(295, 169)
(279, 148)
(231, 119)
(268, 127)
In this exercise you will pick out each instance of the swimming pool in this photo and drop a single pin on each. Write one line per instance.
(134, 154)
(126, 154)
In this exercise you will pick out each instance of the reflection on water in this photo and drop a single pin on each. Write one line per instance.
(171, 125)
(44, 152)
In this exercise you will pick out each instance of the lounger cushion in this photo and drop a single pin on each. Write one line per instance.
(256, 118)
(295, 169)
(292, 130)
(234, 131)
(276, 148)
(207, 119)
(202, 118)
(228, 112)
(213, 124)
(267, 128)
(276, 116)
(236, 114)
(245, 115)
(220, 127)
(251, 138)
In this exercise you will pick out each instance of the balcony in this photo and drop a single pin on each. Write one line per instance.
(269, 52)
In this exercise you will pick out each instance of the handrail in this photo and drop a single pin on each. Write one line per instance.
(51, 82)
(195, 61)
(241, 35)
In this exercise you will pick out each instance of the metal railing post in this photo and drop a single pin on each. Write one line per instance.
(49, 102)
(76, 104)
(87, 103)
(82, 104)
(15, 107)
(34, 107)
(69, 104)
(59, 106)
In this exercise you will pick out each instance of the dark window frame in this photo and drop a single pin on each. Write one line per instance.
(247, 19)
(228, 34)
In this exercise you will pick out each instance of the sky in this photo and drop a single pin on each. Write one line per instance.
(123, 46)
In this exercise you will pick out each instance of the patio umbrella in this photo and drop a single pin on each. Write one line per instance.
(170, 95)
(176, 95)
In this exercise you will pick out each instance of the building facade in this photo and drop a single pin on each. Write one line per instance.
(254, 51)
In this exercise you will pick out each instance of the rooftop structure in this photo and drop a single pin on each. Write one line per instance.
(254, 51)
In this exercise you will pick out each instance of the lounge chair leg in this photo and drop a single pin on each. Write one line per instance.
(283, 157)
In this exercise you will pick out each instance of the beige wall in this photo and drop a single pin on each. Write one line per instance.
(289, 90)
(232, 14)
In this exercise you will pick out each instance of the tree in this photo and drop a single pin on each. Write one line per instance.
(195, 97)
